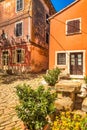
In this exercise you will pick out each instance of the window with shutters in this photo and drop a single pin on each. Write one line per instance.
(13, 56)
(19, 29)
(47, 38)
(61, 58)
(73, 26)
(47, 16)
(19, 5)
(5, 57)
(18, 56)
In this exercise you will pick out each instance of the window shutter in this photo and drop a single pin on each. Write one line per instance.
(73, 26)
(15, 31)
(13, 56)
(69, 27)
(20, 29)
(77, 25)
(22, 55)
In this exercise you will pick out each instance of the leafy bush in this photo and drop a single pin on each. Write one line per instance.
(35, 106)
(52, 76)
(84, 123)
(70, 121)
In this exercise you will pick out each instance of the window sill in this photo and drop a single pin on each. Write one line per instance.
(19, 36)
(18, 11)
(77, 33)
(61, 66)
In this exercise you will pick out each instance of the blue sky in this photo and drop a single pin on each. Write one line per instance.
(60, 4)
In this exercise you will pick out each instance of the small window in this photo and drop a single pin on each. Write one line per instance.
(19, 5)
(47, 38)
(5, 57)
(61, 58)
(73, 26)
(47, 16)
(18, 29)
(18, 56)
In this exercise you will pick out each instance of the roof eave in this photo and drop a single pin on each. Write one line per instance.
(63, 9)
(51, 5)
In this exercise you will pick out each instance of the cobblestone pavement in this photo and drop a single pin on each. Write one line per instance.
(9, 99)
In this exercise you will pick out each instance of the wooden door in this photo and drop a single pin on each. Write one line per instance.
(76, 63)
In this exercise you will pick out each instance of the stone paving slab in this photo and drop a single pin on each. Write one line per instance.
(8, 101)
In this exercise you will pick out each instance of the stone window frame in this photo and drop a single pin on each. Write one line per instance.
(21, 29)
(74, 31)
(20, 8)
(61, 62)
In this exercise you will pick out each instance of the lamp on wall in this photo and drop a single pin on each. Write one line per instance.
(27, 36)
(3, 35)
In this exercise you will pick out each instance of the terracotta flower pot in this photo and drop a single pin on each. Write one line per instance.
(24, 127)
(46, 127)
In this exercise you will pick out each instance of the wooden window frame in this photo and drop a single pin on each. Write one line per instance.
(15, 56)
(5, 56)
(73, 29)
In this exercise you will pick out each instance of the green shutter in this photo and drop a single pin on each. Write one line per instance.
(13, 56)
(22, 55)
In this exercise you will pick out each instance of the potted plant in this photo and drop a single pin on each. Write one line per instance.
(35, 106)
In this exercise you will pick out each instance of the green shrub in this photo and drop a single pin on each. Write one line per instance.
(34, 106)
(84, 123)
(52, 76)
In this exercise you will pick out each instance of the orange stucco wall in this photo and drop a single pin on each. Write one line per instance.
(39, 59)
(59, 41)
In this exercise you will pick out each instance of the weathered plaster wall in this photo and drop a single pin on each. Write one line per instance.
(8, 9)
(9, 16)
(39, 59)
(36, 24)
(39, 12)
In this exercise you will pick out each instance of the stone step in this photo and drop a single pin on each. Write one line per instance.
(64, 103)
(68, 86)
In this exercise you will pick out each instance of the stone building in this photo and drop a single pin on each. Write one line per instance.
(24, 35)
